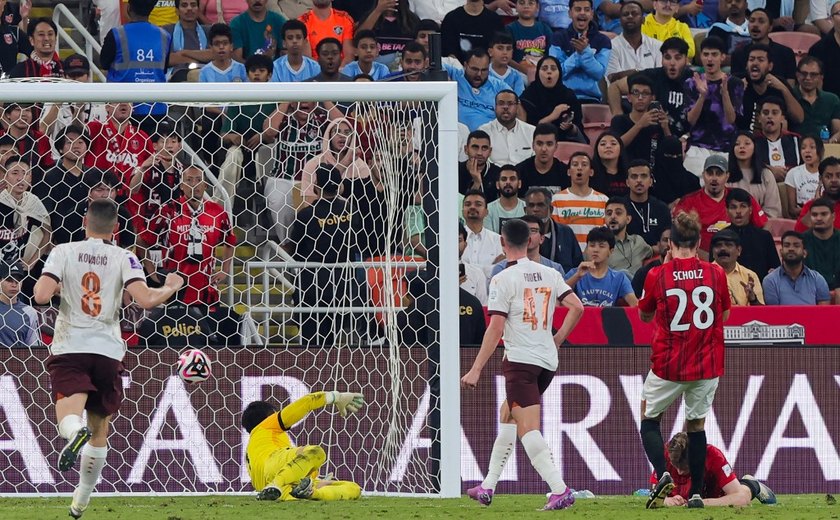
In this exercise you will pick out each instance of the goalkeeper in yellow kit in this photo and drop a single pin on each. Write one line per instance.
(279, 470)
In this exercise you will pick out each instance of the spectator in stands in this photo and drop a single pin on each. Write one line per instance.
(668, 85)
(157, 181)
(471, 320)
(468, 28)
(735, 30)
(294, 65)
(663, 246)
(476, 89)
(472, 278)
(710, 202)
(661, 24)
(713, 104)
(477, 172)
(436, 10)
(820, 108)
(595, 283)
(508, 205)
(758, 249)
(761, 84)
(118, 146)
(744, 284)
(632, 250)
(70, 216)
(671, 179)
(122, 46)
(162, 12)
(531, 37)
(802, 182)
(339, 150)
(647, 123)
(609, 166)
(329, 62)
(511, 138)
(484, 247)
(209, 13)
(747, 171)
(64, 180)
(501, 54)
(367, 52)
(548, 100)
(13, 40)
(583, 52)
(829, 187)
(782, 57)
(44, 61)
(222, 67)
(649, 214)
(827, 50)
(543, 169)
(299, 131)
(782, 13)
(323, 21)
(822, 242)
(55, 117)
(559, 243)
(534, 244)
(424, 29)
(19, 323)
(775, 147)
(357, 9)
(794, 283)
(393, 28)
(414, 62)
(26, 228)
(191, 43)
(7, 147)
(256, 31)
(818, 20)
(631, 51)
(30, 143)
(579, 206)
(189, 230)
(555, 14)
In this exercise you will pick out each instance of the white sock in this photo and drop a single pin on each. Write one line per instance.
(93, 460)
(70, 426)
(502, 448)
(540, 455)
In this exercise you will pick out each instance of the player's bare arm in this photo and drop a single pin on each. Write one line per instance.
(573, 314)
(488, 346)
(147, 297)
(45, 288)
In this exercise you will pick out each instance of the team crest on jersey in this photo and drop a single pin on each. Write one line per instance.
(338, 30)
(135, 144)
(8, 39)
(134, 262)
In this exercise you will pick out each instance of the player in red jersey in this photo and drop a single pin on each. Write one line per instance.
(688, 301)
(721, 485)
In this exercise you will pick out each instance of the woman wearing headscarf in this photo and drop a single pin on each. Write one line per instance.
(548, 100)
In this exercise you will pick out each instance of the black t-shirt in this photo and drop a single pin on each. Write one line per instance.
(324, 232)
(471, 319)
(557, 176)
(731, 40)
(462, 32)
(671, 94)
(614, 185)
(752, 100)
(13, 41)
(59, 187)
(68, 224)
(391, 37)
(758, 249)
(369, 205)
(638, 282)
(358, 9)
(13, 235)
(649, 219)
(784, 61)
(491, 175)
(645, 144)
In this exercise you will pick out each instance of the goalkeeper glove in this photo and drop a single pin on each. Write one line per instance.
(347, 402)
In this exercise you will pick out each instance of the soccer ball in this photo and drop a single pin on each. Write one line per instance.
(193, 366)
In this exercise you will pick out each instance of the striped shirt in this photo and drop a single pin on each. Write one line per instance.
(579, 213)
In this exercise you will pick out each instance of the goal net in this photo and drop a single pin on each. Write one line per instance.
(314, 225)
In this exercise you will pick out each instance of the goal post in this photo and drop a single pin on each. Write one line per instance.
(441, 260)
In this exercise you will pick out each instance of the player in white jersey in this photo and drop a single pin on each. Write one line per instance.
(85, 364)
(521, 304)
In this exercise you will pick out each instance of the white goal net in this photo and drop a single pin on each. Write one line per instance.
(314, 224)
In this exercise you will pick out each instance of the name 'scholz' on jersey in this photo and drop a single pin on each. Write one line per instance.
(694, 274)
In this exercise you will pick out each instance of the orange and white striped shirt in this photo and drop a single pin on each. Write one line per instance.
(579, 213)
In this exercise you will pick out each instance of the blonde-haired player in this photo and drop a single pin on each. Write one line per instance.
(280, 470)
(85, 365)
(521, 303)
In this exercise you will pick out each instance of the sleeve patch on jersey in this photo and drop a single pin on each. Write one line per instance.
(134, 262)
(727, 469)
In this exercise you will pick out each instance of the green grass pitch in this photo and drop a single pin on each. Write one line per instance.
(790, 507)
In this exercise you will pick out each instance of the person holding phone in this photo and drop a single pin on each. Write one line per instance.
(647, 123)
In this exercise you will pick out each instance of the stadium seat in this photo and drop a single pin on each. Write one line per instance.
(778, 226)
(377, 283)
(596, 119)
(799, 42)
(832, 150)
(565, 150)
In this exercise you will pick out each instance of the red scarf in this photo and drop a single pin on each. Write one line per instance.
(48, 69)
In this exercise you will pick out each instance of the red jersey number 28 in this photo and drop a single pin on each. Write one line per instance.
(703, 316)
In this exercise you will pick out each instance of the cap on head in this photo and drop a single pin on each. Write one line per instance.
(76, 64)
(716, 161)
(14, 270)
(726, 235)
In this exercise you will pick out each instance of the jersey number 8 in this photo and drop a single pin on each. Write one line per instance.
(703, 316)
(91, 300)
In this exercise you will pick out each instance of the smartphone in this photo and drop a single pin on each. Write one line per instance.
(461, 271)
(656, 105)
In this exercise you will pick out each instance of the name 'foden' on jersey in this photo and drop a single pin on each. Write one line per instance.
(532, 277)
(695, 274)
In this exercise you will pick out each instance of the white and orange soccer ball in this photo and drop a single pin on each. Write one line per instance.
(193, 366)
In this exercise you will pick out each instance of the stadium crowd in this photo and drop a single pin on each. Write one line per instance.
(595, 120)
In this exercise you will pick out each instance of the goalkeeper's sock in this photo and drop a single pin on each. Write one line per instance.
(70, 426)
(697, 460)
(654, 445)
(337, 490)
(502, 448)
(540, 455)
(311, 458)
(93, 460)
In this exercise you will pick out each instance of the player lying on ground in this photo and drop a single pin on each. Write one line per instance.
(721, 487)
(279, 470)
